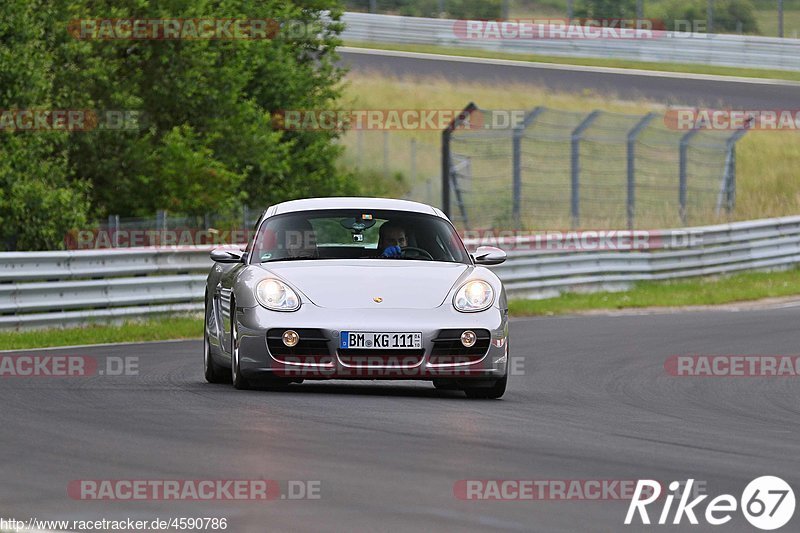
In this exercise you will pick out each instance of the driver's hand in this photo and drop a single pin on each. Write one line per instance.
(392, 251)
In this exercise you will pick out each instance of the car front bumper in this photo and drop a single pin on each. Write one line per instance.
(329, 362)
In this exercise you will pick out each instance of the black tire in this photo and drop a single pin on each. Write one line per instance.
(237, 379)
(445, 384)
(274, 382)
(495, 391)
(213, 372)
(488, 393)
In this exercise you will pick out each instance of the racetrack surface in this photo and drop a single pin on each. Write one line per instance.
(664, 88)
(594, 402)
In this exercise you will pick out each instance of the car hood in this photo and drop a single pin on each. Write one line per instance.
(355, 284)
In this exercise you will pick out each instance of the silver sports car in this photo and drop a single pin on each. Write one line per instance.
(356, 288)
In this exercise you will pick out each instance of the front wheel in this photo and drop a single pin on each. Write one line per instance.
(213, 372)
(493, 392)
(488, 393)
(238, 380)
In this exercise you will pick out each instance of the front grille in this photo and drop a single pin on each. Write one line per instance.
(313, 342)
(379, 357)
(447, 347)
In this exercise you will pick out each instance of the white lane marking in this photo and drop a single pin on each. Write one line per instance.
(576, 68)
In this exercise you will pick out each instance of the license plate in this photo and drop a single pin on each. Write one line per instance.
(380, 340)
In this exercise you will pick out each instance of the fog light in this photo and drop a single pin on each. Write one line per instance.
(290, 338)
(468, 338)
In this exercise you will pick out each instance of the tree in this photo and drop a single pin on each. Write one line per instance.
(38, 203)
(729, 15)
(600, 9)
(223, 92)
(205, 140)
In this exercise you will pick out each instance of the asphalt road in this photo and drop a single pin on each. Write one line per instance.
(671, 89)
(593, 401)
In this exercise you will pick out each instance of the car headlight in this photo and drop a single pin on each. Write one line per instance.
(475, 295)
(276, 295)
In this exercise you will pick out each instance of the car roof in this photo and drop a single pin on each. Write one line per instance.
(352, 202)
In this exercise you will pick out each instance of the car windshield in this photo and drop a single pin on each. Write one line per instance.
(357, 234)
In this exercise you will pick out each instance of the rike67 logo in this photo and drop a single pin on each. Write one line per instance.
(767, 503)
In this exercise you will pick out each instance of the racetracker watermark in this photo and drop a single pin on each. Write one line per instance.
(59, 366)
(727, 366)
(11, 525)
(30, 120)
(577, 29)
(153, 238)
(194, 489)
(392, 366)
(688, 119)
(544, 489)
(193, 29)
(532, 29)
(395, 119)
(582, 240)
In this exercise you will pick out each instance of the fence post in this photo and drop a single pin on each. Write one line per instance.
(413, 148)
(446, 137)
(446, 171)
(728, 186)
(710, 17)
(632, 136)
(360, 148)
(385, 153)
(682, 178)
(161, 220)
(575, 165)
(519, 131)
(113, 228)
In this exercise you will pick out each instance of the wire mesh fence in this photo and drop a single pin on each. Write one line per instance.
(165, 229)
(551, 169)
(557, 169)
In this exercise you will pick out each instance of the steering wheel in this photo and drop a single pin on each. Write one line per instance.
(420, 252)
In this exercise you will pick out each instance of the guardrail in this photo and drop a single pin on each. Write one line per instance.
(62, 288)
(673, 47)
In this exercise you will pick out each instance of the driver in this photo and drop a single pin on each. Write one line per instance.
(392, 238)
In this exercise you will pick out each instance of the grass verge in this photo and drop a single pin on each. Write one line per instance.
(690, 68)
(151, 329)
(748, 286)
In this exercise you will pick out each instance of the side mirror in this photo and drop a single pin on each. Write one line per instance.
(227, 255)
(489, 255)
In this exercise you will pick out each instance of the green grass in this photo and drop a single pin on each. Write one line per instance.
(768, 22)
(701, 291)
(152, 329)
(591, 62)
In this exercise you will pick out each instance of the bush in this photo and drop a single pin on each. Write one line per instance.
(599, 9)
